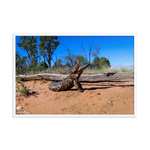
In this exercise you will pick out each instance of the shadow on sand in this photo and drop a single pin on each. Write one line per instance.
(95, 88)
(92, 88)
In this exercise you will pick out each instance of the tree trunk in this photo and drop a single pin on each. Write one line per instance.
(89, 56)
(84, 78)
(49, 64)
(49, 61)
(109, 84)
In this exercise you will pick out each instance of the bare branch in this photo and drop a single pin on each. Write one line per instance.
(70, 56)
(91, 45)
(96, 52)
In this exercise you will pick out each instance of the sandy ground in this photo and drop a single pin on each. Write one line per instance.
(94, 100)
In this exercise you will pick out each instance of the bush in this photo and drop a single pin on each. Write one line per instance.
(101, 63)
(42, 66)
(24, 89)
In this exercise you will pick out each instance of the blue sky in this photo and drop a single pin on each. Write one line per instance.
(119, 50)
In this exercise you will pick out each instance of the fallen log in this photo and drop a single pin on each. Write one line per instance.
(105, 84)
(84, 78)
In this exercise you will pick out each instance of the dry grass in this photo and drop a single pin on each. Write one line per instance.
(89, 71)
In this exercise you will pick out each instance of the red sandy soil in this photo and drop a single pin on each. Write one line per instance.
(94, 100)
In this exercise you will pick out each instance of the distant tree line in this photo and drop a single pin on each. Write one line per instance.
(47, 46)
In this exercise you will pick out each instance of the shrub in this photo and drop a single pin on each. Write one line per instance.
(43, 66)
(24, 89)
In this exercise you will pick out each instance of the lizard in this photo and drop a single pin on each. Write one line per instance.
(71, 80)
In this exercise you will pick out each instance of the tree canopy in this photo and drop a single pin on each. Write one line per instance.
(58, 63)
(47, 46)
(83, 60)
(29, 44)
(101, 62)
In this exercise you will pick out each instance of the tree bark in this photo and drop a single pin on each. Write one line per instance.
(109, 84)
(84, 78)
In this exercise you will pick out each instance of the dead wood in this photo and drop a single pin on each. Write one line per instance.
(105, 84)
(83, 78)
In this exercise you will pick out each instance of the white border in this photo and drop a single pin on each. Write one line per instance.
(74, 116)
(74, 31)
(10, 75)
(135, 76)
(74, 34)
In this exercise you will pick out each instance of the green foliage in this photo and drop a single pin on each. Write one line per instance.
(83, 60)
(24, 89)
(70, 59)
(96, 63)
(58, 64)
(101, 62)
(104, 62)
(47, 46)
(67, 65)
(28, 44)
(18, 80)
(21, 64)
(43, 65)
